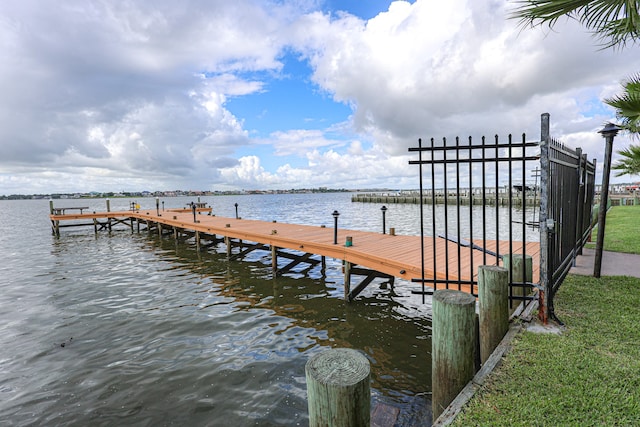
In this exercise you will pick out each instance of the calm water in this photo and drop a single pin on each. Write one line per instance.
(130, 329)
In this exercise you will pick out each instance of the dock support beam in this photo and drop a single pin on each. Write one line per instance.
(347, 280)
(274, 260)
(227, 242)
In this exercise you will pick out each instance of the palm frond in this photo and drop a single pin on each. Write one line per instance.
(627, 105)
(615, 22)
(630, 163)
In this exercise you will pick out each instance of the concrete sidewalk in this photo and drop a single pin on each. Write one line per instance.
(613, 264)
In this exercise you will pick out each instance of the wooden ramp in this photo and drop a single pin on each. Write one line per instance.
(389, 255)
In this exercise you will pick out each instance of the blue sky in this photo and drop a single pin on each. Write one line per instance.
(250, 94)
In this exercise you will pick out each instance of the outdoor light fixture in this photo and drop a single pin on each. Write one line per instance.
(158, 206)
(236, 210)
(384, 212)
(609, 132)
(335, 214)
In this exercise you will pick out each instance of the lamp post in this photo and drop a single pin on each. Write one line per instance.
(158, 206)
(163, 206)
(384, 213)
(609, 132)
(193, 209)
(236, 205)
(335, 214)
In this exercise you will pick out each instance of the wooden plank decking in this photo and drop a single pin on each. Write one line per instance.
(394, 255)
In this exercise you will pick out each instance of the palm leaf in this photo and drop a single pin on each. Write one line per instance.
(615, 22)
(630, 163)
(627, 105)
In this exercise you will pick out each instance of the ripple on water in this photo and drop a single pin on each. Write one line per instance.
(122, 329)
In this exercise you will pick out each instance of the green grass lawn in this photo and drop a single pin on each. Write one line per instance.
(588, 375)
(622, 230)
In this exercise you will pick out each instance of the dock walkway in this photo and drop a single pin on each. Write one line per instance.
(388, 256)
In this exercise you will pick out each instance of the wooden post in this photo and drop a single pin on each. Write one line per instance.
(198, 241)
(227, 241)
(108, 205)
(515, 265)
(95, 225)
(51, 206)
(338, 389)
(453, 346)
(274, 259)
(159, 229)
(493, 296)
(347, 279)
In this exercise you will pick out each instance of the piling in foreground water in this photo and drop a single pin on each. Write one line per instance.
(338, 390)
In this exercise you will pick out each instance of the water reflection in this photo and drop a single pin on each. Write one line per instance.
(397, 345)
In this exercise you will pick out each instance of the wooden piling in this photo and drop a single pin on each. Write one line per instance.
(338, 389)
(347, 279)
(227, 242)
(517, 267)
(274, 259)
(453, 346)
(493, 298)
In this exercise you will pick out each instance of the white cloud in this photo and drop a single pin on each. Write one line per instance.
(115, 94)
(437, 68)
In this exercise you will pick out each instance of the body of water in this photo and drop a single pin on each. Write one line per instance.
(124, 328)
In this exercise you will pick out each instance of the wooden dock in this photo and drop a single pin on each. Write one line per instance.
(372, 255)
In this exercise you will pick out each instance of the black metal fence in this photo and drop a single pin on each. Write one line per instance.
(560, 178)
(460, 170)
(567, 192)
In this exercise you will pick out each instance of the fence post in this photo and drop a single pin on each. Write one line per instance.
(453, 346)
(545, 292)
(338, 390)
(493, 298)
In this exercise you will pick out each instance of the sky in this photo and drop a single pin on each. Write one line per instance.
(154, 95)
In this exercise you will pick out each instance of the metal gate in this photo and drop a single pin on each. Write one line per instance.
(568, 188)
